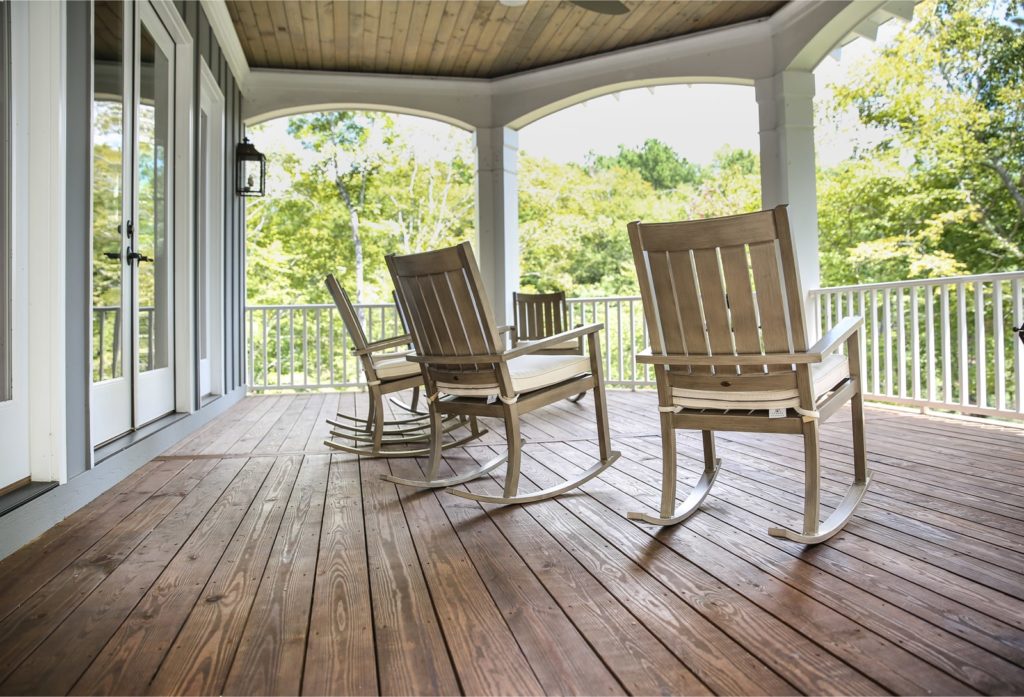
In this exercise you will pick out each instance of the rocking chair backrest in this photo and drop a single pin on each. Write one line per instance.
(443, 298)
(722, 286)
(540, 315)
(347, 311)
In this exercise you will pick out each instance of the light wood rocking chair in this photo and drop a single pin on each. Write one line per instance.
(386, 373)
(724, 307)
(540, 315)
(468, 373)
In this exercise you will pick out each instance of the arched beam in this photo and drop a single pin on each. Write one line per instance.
(460, 102)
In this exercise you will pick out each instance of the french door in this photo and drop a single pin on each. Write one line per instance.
(133, 204)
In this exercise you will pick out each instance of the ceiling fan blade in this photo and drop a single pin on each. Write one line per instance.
(605, 7)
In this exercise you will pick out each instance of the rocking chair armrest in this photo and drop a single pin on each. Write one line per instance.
(649, 358)
(506, 328)
(834, 337)
(378, 346)
(551, 341)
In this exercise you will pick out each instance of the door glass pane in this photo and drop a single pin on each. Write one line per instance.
(154, 130)
(107, 189)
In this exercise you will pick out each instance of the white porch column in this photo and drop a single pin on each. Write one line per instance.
(786, 119)
(497, 211)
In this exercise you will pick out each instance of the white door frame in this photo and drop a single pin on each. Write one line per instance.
(212, 103)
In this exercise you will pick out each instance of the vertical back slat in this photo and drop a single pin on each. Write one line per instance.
(769, 298)
(713, 303)
(664, 298)
(742, 315)
(689, 306)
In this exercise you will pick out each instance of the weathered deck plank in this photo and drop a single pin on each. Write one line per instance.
(289, 569)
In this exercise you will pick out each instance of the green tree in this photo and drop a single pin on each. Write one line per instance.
(350, 146)
(941, 192)
(657, 163)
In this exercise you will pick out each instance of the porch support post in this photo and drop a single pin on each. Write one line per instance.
(497, 210)
(786, 117)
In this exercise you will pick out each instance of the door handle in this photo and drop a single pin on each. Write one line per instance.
(138, 257)
(112, 255)
(1020, 331)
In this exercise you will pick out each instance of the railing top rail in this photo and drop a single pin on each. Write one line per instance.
(945, 281)
(604, 298)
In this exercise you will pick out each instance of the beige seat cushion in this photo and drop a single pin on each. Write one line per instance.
(531, 372)
(827, 375)
(392, 366)
(570, 345)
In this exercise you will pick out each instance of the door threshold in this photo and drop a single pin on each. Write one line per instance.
(112, 447)
(22, 495)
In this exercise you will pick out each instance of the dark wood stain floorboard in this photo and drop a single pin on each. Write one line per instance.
(252, 559)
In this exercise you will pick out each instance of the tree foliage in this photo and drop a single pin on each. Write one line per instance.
(656, 162)
(941, 192)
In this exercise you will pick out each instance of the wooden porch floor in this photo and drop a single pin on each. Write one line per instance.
(248, 560)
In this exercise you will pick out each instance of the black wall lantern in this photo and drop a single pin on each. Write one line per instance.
(252, 169)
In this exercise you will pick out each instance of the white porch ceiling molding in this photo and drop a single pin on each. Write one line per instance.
(774, 55)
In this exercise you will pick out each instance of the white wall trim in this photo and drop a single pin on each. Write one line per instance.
(44, 172)
(227, 37)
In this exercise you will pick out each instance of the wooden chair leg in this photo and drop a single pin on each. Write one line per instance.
(668, 479)
(604, 441)
(415, 398)
(371, 415)
(860, 456)
(577, 398)
(378, 423)
(514, 443)
(812, 478)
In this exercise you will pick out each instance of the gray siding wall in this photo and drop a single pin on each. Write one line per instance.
(79, 96)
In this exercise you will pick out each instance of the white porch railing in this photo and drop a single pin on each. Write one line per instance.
(306, 346)
(944, 343)
(941, 343)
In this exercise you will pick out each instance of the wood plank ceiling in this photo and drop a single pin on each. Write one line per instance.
(459, 38)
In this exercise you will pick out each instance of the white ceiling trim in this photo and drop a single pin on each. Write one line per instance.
(227, 36)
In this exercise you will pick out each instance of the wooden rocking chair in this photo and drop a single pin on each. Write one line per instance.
(540, 315)
(468, 373)
(723, 304)
(386, 373)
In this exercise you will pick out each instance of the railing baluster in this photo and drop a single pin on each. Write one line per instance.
(930, 341)
(961, 332)
(1017, 298)
(266, 365)
(947, 350)
(998, 340)
(901, 341)
(887, 317)
(874, 344)
(980, 352)
(915, 344)
(291, 346)
(330, 343)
